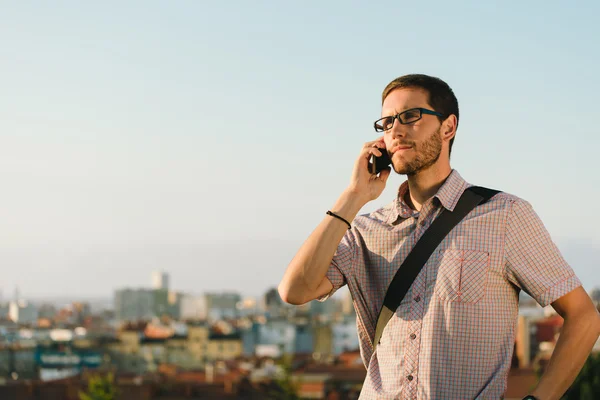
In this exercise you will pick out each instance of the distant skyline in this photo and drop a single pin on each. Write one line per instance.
(208, 139)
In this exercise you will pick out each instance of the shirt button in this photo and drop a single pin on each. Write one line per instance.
(418, 299)
(413, 336)
(410, 377)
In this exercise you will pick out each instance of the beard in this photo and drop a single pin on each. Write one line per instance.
(427, 153)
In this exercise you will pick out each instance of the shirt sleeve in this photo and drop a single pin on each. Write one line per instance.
(341, 263)
(533, 262)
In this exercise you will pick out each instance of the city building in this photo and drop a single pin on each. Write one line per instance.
(160, 280)
(223, 305)
(304, 337)
(223, 346)
(278, 334)
(344, 334)
(193, 307)
(273, 305)
(134, 304)
(4, 308)
(22, 312)
(145, 304)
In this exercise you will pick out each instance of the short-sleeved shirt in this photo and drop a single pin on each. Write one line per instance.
(453, 335)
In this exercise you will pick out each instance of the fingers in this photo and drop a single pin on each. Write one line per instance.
(364, 179)
(365, 154)
(373, 148)
(379, 143)
(375, 151)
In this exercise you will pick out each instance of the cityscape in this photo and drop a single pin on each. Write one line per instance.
(162, 163)
(160, 343)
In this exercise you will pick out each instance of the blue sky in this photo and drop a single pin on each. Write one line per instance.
(209, 138)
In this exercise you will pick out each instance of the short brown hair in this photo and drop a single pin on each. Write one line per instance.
(441, 96)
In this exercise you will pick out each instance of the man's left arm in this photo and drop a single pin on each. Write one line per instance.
(534, 264)
(578, 335)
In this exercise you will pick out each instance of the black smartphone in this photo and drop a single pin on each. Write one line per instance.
(378, 164)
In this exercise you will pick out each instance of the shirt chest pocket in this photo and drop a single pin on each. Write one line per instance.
(461, 275)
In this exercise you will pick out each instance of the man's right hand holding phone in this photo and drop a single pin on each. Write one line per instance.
(364, 183)
(305, 278)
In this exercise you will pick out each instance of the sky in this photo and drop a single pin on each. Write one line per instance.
(207, 139)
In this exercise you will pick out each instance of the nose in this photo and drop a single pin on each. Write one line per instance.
(397, 130)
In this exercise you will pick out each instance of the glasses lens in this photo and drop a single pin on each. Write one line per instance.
(385, 123)
(388, 122)
(409, 116)
(379, 125)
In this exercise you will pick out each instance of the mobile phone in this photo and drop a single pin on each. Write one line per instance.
(378, 164)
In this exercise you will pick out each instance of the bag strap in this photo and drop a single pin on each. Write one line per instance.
(429, 241)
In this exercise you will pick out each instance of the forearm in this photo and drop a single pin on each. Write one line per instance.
(309, 266)
(575, 343)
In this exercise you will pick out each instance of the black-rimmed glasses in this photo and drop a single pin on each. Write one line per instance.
(405, 117)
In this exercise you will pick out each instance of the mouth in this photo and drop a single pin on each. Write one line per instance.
(400, 148)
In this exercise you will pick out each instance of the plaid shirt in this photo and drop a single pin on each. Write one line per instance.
(453, 335)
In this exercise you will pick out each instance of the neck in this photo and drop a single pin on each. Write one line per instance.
(424, 184)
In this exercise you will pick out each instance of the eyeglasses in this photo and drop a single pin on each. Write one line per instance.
(405, 117)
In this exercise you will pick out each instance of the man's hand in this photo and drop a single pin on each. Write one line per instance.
(305, 278)
(364, 184)
(577, 337)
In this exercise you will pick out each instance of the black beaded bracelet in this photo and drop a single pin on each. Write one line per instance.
(338, 217)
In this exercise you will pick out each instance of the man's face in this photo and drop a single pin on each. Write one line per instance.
(413, 147)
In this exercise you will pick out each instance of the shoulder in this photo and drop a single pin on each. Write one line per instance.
(506, 200)
(510, 208)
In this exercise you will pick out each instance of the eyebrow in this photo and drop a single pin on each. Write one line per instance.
(400, 112)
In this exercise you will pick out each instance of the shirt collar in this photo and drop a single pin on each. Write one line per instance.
(447, 195)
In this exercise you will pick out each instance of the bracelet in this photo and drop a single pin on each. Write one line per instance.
(338, 217)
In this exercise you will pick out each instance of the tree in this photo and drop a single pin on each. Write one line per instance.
(100, 388)
(280, 387)
(587, 383)
(283, 387)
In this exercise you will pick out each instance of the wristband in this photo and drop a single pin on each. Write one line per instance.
(338, 217)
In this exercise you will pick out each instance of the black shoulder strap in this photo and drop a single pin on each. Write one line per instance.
(429, 241)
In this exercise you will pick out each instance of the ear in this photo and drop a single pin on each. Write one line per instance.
(448, 128)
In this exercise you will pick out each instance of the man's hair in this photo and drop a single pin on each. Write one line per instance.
(441, 96)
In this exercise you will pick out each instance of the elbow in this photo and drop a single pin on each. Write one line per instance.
(288, 296)
(593, 323)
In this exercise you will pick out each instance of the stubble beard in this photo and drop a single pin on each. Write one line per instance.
(427, 153)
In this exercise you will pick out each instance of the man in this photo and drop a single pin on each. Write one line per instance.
(452, 337)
